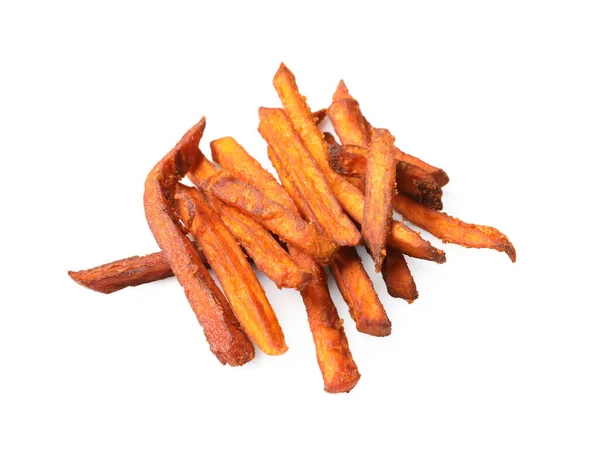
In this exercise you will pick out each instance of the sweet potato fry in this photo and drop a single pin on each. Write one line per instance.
(397, 276)
(245, 294)
(452, 230)
(358, 292)
(349, 196)
(319, 115)
(286, 224)
(338, 368)
(308, 179)
(225, 337)
(411, 180)
(129, 272)
(380, 183)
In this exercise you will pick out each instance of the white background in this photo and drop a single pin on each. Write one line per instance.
(492, 356)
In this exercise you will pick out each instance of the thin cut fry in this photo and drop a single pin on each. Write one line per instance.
(452, 230)
(222, 330)
(350, 197)
(286, 224)
(129, 272)
(338, 368)
(397, 276)
(319, 115)
(358, 292)
(245, 294)
(308, 179)
(380, 183)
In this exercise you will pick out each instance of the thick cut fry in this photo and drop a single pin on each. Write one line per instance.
(349, 196)
(277, 131)
(358, 292)
(245, 294)
(380, 183)
(286, 224)
(129, 272)
(411, 180)
(452, 230)
(222, 330)
(397, 276)
(339, 371)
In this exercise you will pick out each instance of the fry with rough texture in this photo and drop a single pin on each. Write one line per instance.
(278, 132)
(411, 180)
(129, 272)
(357, 290)
(222, 330)
(397, 276)
(338, 368)
(245, 294)
(349, 196)
(380, 183)
(286, 224)
(452, 230)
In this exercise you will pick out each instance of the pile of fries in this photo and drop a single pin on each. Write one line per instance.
(332, 196)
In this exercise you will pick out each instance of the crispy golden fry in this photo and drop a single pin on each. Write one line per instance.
(358, 292)
(352, 128)
(380, 183)
(411, 180)
(319, 115)
(452, 230)
(129, 272)
(222, 330)
(277, 131)
(245, 294)
(286, 224)
(397, 276)
(349, 196)
(338, 368)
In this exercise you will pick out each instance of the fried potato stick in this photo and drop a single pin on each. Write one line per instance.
(411, 180)
(380, 184)
(245, 294)
(278, 132)
(357, 290)
(349, 196)
(349, 122)
(226, 339)
(397, 276)
(452, 230)
(339, 371)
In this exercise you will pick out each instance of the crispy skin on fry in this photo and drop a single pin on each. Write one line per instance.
(245, 294)
(358, 292)
(349, 196)
(452, 230)
(319, 115)
(352, 128)
(380, 183)
(397, 276)
(129, 272)
(338, 368)
(411, 180)
(223, 333)
(278, 132)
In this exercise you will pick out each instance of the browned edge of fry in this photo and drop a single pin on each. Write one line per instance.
(225, 337)
(397, 276)
(357, 290)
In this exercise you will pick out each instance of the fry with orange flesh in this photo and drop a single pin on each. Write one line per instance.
(349, 196)
(276, 218)
(380, 184)
(357, 290)
(226, 339)
(245, 294)
(353, 128)
(452, 230)
(397, 276)
(411, 180)
(278, 132)
(338, 368)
